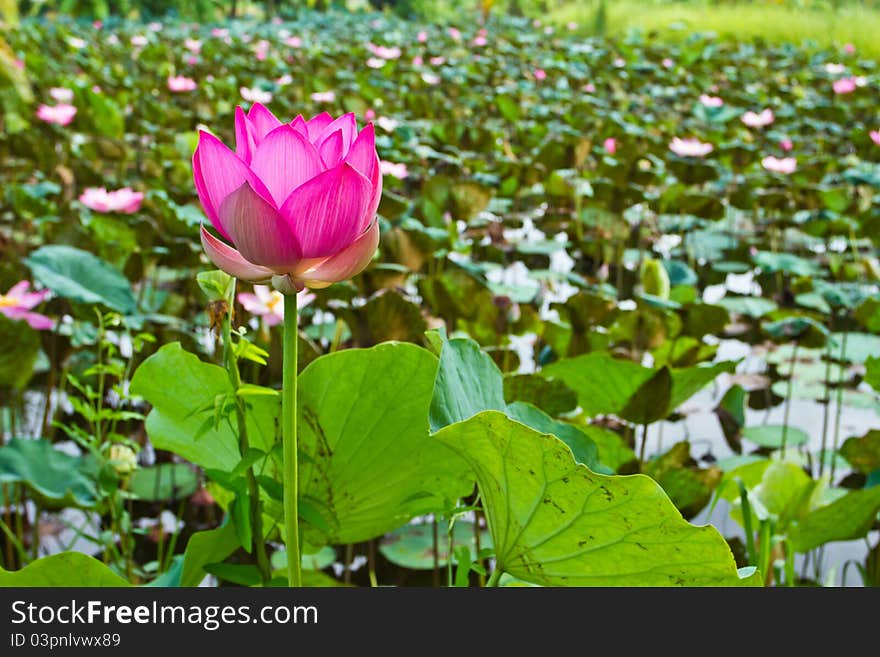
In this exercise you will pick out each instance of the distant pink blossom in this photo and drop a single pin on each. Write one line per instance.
(375, 62)
(417, 61)
(479, 41)
(61, 114)
(61, 94)
(255, 95)
(192, 60)
(181, 83)
(758, 120)
(667, 62)
(430, 78)
(422, 37)
(610, 145)
(437, 61)
(786, 144)
(370, 114)
(548, 30)
(844, 86)
(779, 164)
(18, 302)
(711, 101)
(193, 45)
(269, 304)
(139, 40)
(18, 63)
(261, 50)
(455, 34)
(125, 200)
(398, 171)
(323, 96)
(875, 136)
(284, 80)
(590, 88)
(834, 68)
(387, 124)
(113, 39)
(219, 32)
(540, 74)
(97, 24)
(155, 26)
(384, 52)
(294, 42)
(571, 25)
(96, 89)
(849, 49)
(690, 147)
(619, 62)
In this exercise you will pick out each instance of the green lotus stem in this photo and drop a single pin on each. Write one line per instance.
(495, 576)
(288, 437)
(788, 397)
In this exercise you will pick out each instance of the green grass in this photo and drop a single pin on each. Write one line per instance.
(777, 23)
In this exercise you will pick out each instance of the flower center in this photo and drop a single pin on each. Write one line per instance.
(7, 301)
(277, 298)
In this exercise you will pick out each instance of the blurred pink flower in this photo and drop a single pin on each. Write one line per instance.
(296, 200)
(786, 144)
(375, 62)
(540, 74)
(139, 40)
(430, 78)
(384, 51)
(323, 96)
(61, 114)
(571, 25)
(261, 50)
(667, 62)
(370, 114)
(875, 136)
(269, 304)
(193, 45)
(455, 33)
(479, 41)
(437, 61)
(155, 26)
(192, 60)
(97, 24)
(849, 49)
(18, 302)
(417, 61)
(255, 95)
(690, 147)
(779, 164)
(181, 83)
(844, 86)
(18, 63)
(398, 171)
(590, 87)
(284, 80)
(219, 32)
(758, 120)
(834, 68)
(125, 200)
(294, 42)
(387, 124)
(422, 37)
(61, 94)
(619, 62)
(711, 101)
(610, 145)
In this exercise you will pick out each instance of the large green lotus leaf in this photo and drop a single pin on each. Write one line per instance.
(56, 478)
(553, 397)
(581, 445)
(412, 546)
(183, 390)
(163, 482)
(21, 346)
(554, 522)
(80, 276)
(367, 462)
(863, 453)
(752, 306)
(607, 385)
(66, 569)
(872, 372)
(847, 518)
(859, 346)
(770, 435)
(205, 548)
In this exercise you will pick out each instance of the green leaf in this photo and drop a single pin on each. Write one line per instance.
(369, 464)
(613, 451)
(872, 372)
(847, 518)
(754, 307)
(412, 546)
(164, 482)
(770, 435)
(82, 277)
(66, 569)
(580, 444)
(650, 401)
(555, 523)
(552, 397)
(21, 346)
(204, 548)
(57, 479)
(178, 384)
(863, 453)
(216, 284)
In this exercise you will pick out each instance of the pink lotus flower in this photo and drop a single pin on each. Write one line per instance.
(18, 302)
(455, 34)
(610, 145)
(479, 41)
(255, 95)
(422, 37)
(384, 52)
(297, 200)
(219, 32)
(417, 60)
(437, 61)
(193, 45)
(125, 200)
(786, 145)
(294, 42)
(875, 136)
(269, 304)
(779, 164)
(711, 101)
(849, 49)
(430, 78)
(398, 171)
(540, 74)
(690, 147)
(758, 120)
(844, 86)
(261, 50)
(375, 62)
(590, 88)
(180, 83)
(667, 62)
(323, 96)
(370, 114)
(61, 94)
(61, 114)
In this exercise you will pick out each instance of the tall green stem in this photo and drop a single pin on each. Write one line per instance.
(495, 577)
(288, 436)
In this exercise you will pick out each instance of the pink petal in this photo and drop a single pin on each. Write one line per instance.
(299, 124)
(19, 289)
(284, 161)
(331, 150)
(31, 299)
(347, 123)
(244, 140)
(217, 173)
(252, 303)
(317, 124)
(229, 260)
(263, 122)
(362, 154)
(38, 321)
(259, 232)
(345, 264)
(327, 213)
